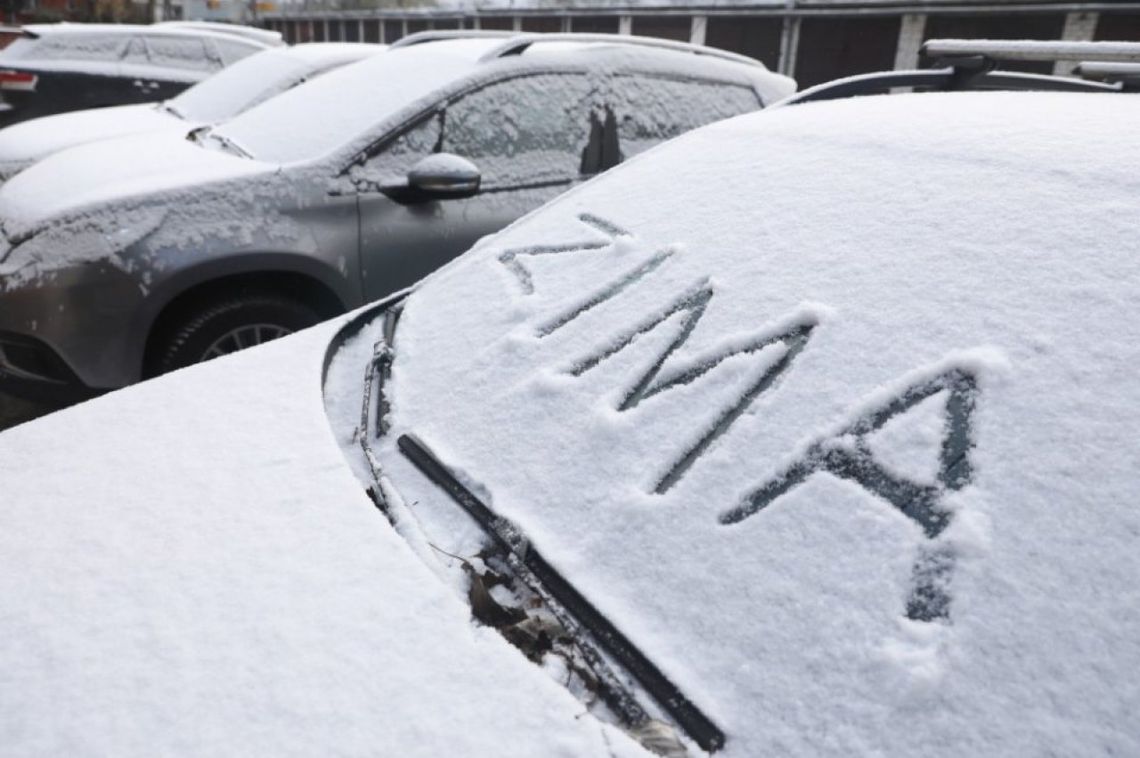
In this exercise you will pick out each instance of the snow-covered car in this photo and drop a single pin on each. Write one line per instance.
(128, 258)
(812, 432)
(219, 98)
(55, 68)
(266, 36)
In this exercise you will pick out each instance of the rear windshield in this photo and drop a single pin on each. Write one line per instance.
(85, 47)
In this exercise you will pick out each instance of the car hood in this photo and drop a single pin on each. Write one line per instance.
(83, 179)
(189, 566)
(30, 141)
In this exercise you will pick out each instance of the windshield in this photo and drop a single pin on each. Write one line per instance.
(240, 86)
(320, 116)
(794, 429)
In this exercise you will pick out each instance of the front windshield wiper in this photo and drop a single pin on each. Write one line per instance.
(202, 134)
(562, 599)
(172, 109)
(525, 557)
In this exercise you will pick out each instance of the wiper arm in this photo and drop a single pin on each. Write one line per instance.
(574, 612)
(512, 540)
(201, 134)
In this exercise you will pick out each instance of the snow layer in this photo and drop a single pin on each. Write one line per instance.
(26, 142)
(73, 180)
(189, 568)
(975, 250)
(259, 77)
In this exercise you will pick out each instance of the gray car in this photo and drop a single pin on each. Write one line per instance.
(130, 258)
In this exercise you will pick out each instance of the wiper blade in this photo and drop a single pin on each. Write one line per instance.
(511, 539)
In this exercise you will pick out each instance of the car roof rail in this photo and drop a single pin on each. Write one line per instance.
(445, 34)
(519, 42)
(947, 50)
(1128, 74)
(971, 77)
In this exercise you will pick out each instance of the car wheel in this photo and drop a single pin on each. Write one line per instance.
(230, 325)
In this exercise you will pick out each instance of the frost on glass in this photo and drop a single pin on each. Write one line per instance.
(232, 50)
(652, 109)
(136, 52)
(393, 162)
(523, 131)
(93, 47)
(179, 52)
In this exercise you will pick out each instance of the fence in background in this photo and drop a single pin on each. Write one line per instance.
(813, 44)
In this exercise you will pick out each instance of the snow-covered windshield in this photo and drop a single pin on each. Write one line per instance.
(320, 116)
(831, 409)
(240, 86)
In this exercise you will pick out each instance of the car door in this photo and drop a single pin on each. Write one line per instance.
(527, 134)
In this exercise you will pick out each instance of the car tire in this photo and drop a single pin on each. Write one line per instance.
(232, 324)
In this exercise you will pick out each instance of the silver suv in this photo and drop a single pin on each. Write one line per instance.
(129, 258)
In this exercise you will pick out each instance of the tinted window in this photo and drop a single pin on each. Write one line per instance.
(652, 109)
(179, 52)
(523, 131)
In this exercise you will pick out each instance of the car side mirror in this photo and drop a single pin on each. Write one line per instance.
(441, 176)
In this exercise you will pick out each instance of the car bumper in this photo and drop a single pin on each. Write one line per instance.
(31, 370)
(67, 335)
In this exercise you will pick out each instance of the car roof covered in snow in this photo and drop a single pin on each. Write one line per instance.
(179, 30)
(830, 409)
(405, 78)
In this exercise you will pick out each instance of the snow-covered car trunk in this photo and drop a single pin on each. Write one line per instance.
(835, 424)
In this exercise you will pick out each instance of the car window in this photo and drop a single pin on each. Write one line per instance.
(136, 52)
(179, 52)
(394, 160)
(87, 47)
(233, 50)
(523, 131)
(653, 108)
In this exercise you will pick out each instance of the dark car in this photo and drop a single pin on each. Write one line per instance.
(56, 68)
